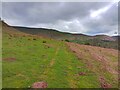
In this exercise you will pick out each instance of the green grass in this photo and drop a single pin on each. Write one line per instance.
(36, 61)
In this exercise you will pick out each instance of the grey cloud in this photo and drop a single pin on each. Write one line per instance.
(58, 14)
(107, 23)
(0, 9)
(47, 12)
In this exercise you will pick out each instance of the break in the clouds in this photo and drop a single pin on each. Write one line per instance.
(75, 17)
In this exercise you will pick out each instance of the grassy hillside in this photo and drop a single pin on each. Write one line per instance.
(27, 61)
(29, 58)
(98, 40)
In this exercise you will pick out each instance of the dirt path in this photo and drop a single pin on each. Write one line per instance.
(48, 68)
(53, 59)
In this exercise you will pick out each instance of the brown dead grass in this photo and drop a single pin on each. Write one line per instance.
(9, 59)
(97, 54)
(97, 59)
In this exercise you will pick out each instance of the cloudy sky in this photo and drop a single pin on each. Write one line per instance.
(75, 17)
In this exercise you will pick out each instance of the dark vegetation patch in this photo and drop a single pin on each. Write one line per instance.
(34, 39)
(10, 38)
(47, 46)
(67, 40)
(10, 35)
(29, 39)
(87, 43)
(44, 41)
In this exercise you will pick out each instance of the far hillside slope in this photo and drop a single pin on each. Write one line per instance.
(8, 29)
(98, 40)
(52, 33)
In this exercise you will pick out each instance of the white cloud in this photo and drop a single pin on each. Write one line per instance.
(100, 11)
(72, 26)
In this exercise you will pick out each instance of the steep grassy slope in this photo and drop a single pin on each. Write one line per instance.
(9, 30)
(28, 59)
(50, 33)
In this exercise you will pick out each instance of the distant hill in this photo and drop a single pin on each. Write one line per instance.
(52, 33)
(116, 37)
(97, 40)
